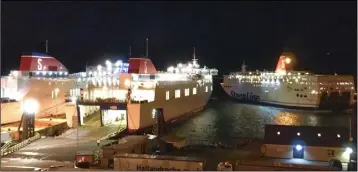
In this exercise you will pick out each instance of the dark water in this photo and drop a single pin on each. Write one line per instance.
(230, 122)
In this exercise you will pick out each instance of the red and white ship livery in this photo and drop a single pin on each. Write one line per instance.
(40, 77)
(293, 89)
(140, 87)
(136, 85)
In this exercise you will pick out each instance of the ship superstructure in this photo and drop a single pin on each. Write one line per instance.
(134, 88)
(289, 88)
(180, 90)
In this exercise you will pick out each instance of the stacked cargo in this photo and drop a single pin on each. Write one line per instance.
(128, 144)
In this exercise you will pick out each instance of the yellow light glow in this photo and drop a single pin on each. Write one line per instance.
(288, 60)
(127, 82)
(30, 106)
(346, 154)
(148, 85)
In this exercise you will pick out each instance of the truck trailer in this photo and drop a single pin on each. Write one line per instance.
(145, 162)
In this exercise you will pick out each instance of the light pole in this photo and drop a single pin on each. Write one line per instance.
(30, 108)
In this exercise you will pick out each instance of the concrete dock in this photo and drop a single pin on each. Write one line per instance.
(60, 150)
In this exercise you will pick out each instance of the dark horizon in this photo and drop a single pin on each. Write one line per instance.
(323, 35)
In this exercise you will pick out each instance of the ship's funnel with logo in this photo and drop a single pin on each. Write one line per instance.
(285, 62)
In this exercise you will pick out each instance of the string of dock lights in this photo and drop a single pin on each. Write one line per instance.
(348, 150)
(119, 66)
(50, 73)
(99, 73)
(190, 68)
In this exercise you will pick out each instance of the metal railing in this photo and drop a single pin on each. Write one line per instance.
(7, 145)
(20, 145)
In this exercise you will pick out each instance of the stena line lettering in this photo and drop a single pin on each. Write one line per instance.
(247, 96)
(39, 64)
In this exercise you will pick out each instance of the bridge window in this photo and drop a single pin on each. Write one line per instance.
(167, 95)
(194, 91)
(54, 93)
(186, 93)
(206, 89)
(177, 94)
(211, 87)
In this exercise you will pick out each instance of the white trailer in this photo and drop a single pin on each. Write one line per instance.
(5, 137)
(143, 162)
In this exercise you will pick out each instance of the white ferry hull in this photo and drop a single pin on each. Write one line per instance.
(140, 115)
(286, 98)
(247, 93)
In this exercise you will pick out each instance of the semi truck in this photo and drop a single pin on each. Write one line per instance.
(145, 162)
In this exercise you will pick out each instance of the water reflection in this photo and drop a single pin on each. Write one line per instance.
(230, 122)
(312, 120)
(287, 118)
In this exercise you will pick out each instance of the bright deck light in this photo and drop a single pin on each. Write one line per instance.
(73, 99)
(118, 63)
(298, 147)
(99, 67)
(108, 63)
(30, 106)
(349, 150)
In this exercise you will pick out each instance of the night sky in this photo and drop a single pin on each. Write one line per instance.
(323, 35)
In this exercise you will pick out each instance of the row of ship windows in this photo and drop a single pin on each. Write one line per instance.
(186, 92)
(299, 89)
(300, 95)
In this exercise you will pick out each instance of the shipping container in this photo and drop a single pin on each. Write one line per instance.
(143, 162)
(128, 144)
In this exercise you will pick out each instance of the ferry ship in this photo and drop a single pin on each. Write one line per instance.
(291, 89)
(138, 89)
(134, 89)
